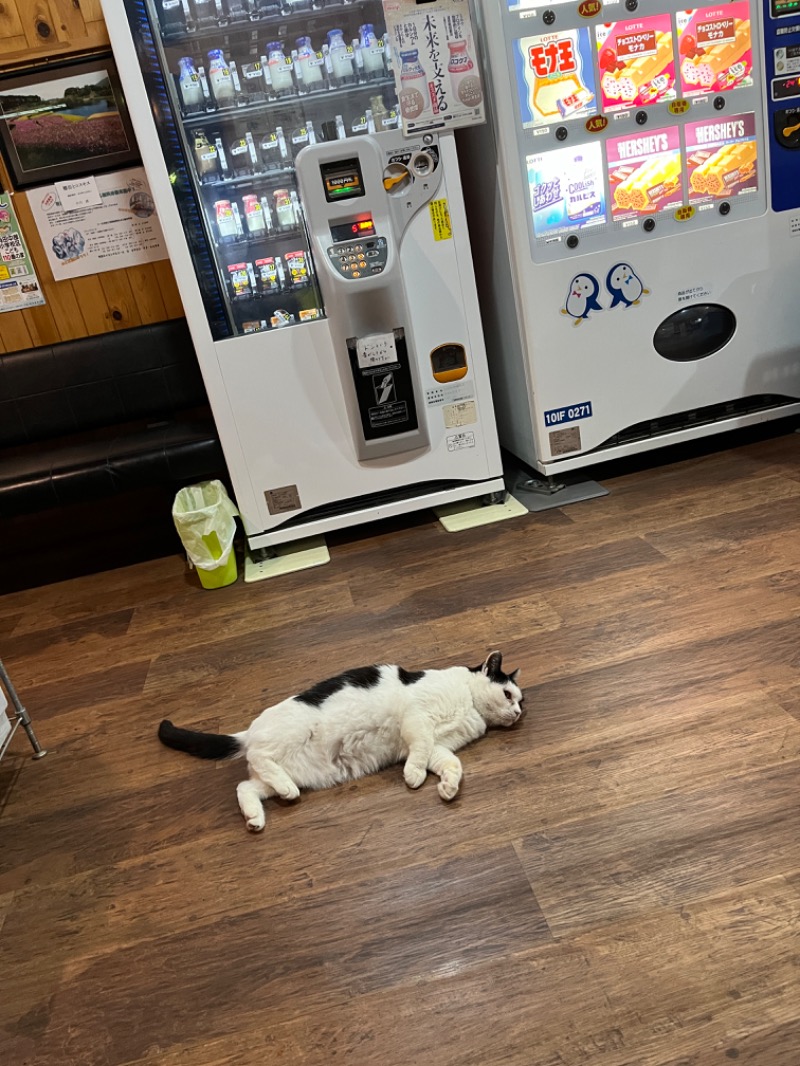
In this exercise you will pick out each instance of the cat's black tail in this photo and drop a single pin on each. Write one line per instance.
(202, 745)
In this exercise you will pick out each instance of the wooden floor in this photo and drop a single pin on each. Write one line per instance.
(617, 885)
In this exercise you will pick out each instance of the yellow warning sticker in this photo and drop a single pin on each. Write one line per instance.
(440, 220)
(4, 274)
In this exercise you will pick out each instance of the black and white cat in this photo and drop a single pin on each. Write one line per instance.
(358, 723)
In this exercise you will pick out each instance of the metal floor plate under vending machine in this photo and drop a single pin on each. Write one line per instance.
(322, 257)
(635, 218)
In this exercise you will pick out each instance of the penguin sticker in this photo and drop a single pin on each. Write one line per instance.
(625, 285)
(581, 298)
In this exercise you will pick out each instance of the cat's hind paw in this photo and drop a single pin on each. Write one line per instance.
(414, 776)
(448, 786)
(289, 792)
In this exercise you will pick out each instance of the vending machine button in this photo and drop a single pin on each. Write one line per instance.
(641, 118)
(724, 208)
(561, 133)
(572, 241)
(549, 17)
(719, 103)
(631, 5)
(649, 225)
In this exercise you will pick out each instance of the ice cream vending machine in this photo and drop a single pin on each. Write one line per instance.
(322, 258)
(635, 217)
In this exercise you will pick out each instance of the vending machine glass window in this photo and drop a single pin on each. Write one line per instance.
(238, 88)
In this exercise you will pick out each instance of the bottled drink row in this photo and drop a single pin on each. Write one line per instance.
(307, 68)
(259, 216)
(270, 276)
(281, 317)
(244, 155)
(188, 16)
(283, 279)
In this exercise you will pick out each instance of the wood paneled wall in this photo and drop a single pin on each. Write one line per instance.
(42, 31)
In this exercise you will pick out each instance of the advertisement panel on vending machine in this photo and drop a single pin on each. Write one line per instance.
(322, 256)
(637, 272)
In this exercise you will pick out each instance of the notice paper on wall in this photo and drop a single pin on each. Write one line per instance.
(109, 222)
(19, 286)
(435, 64)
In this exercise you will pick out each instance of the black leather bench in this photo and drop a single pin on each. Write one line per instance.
(96, 437)
(93, 418)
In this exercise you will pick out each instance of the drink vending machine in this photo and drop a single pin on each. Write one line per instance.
(322, 258)
(635, 216)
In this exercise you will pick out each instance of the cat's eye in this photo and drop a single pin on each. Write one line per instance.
(508, 695)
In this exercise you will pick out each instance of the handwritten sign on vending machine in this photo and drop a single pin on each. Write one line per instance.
(435, 64)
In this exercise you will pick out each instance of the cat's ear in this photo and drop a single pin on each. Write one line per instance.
(513, 676)
(492, 664)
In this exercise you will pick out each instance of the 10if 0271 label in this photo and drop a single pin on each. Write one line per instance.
(559, 415)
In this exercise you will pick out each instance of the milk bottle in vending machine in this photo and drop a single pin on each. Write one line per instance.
(310, 65)
(206, 158)
(371, 52)
(340, 59)
(219, 77)
(190, 88)
(280, 69)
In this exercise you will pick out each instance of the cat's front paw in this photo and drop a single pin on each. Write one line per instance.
(448, 785)
(256, 823)
(414, 775)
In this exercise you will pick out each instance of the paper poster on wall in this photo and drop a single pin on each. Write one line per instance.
(116, 226)
(19, 286)
(435, 64)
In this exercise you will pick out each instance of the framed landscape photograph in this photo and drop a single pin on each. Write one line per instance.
(64, 122)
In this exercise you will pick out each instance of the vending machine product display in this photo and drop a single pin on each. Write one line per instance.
(322, 258)
(635, 218)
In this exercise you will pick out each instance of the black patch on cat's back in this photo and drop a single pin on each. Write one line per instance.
(361, 677)
(409, 677)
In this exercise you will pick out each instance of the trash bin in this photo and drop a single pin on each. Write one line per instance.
(205, 518)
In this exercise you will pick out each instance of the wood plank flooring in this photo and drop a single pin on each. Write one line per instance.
(618, 883)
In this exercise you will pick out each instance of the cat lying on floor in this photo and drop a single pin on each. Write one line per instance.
(358, 723)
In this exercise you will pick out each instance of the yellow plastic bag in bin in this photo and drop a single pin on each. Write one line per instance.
(205, 518)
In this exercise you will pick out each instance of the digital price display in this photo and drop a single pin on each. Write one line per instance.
(786, 88)
(357, 227)
(781, 8)
(342, 180)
